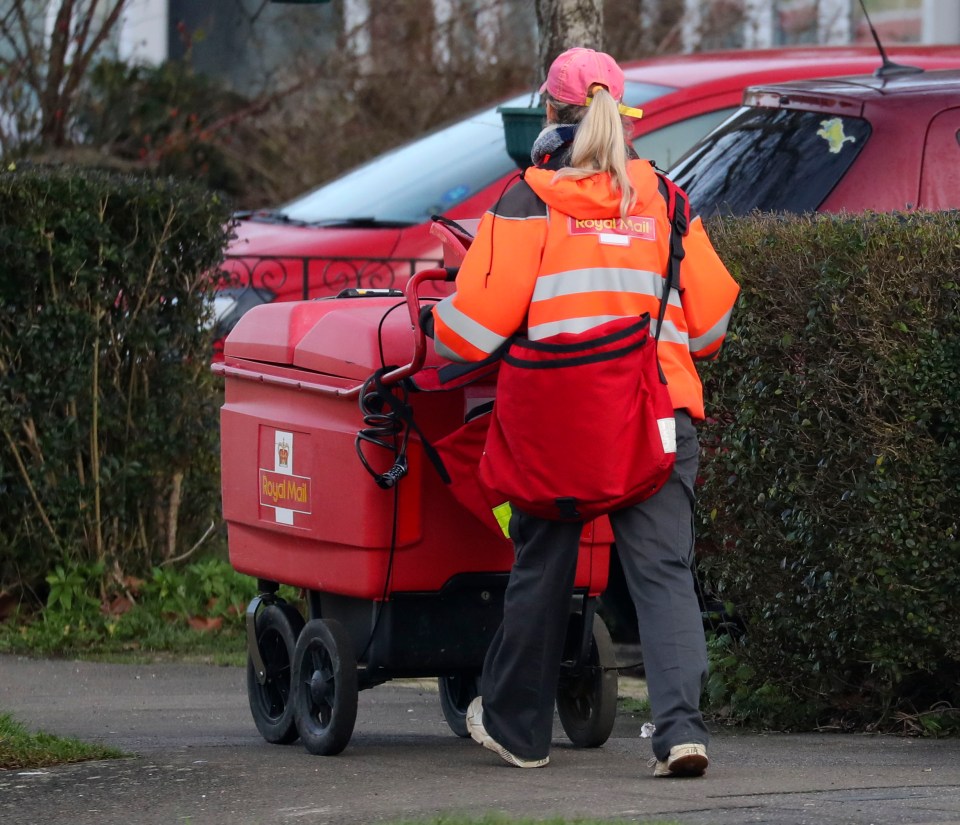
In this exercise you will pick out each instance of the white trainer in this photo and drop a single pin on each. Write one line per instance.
(684, 760)
(479, 734)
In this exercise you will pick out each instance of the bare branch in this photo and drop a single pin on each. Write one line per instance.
(59, 44)
(78, 68)
(83, 32)
(19, 18)
(192, 550)
(52, 128)
(256, 107)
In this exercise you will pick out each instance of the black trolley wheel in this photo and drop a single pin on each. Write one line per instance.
(456, 694)
(277, 627)
(587, 697)
(325, 687)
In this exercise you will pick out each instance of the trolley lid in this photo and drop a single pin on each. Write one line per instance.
(343, 337)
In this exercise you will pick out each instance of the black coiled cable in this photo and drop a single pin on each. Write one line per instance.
(383, 409)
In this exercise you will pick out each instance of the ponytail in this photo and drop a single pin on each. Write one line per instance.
(600, 145)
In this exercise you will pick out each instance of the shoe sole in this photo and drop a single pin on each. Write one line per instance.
(694, 764)
(510, 759)
(481, 737)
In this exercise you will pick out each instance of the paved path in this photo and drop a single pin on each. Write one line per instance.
(199, 760)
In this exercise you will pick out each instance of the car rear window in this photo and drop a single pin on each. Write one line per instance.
(773, 160)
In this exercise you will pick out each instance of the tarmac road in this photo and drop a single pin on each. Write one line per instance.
(198, 759)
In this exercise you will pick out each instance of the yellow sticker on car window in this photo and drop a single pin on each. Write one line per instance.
(832, 132)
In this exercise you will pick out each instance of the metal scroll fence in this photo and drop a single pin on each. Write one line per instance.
(303, 277)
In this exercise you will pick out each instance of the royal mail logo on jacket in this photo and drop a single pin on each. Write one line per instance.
(617, 231)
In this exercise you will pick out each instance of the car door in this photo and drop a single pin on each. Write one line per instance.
(940, 175)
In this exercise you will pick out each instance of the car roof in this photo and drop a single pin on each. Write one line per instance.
(858, 90)
(687, 70)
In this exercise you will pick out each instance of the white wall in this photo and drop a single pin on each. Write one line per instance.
(144, 32)
(759, 28)
(356, 17)
(941, 21)
(450, 16)
(834, 22)
(144, 29)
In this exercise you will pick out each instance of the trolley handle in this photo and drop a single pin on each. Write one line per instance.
(411, 293)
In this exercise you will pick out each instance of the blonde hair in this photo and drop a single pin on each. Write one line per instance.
(600, 144)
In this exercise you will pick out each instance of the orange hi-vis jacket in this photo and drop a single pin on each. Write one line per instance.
(555, 256)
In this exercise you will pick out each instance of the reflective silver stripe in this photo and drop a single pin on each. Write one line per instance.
(607, 279)
(471, 331)
(501, 217)
(668, 433)
(445, 352)
(712, 335)
(573, 325)
(671, 334)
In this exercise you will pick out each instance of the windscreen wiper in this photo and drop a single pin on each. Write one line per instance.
(363, 223)
(268, 216)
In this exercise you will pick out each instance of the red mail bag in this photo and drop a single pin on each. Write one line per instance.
(582, 424)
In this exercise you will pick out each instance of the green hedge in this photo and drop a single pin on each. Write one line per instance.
(108, 411)
(829, 513)
(830, 509)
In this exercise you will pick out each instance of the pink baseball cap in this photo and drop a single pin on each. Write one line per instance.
(577, 70)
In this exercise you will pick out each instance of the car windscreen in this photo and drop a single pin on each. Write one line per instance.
(772, 160)
(428, 176)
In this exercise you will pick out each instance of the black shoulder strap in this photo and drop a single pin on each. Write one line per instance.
(678, 211)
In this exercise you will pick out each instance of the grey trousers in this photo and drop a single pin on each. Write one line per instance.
(655, 543)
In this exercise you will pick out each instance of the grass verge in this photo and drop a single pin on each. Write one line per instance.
(195, 613)
(137, 637)
(21, 749)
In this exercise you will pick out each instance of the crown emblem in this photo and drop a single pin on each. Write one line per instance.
(283, 453)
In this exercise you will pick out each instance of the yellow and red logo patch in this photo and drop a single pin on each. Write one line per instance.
(284, 495)
(286, 491)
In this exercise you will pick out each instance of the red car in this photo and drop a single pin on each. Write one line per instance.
(885, 144)
(369, 228)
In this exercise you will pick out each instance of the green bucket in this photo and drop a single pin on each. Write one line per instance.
(521, 125)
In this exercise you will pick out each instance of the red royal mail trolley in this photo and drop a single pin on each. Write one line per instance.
(328, 486)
